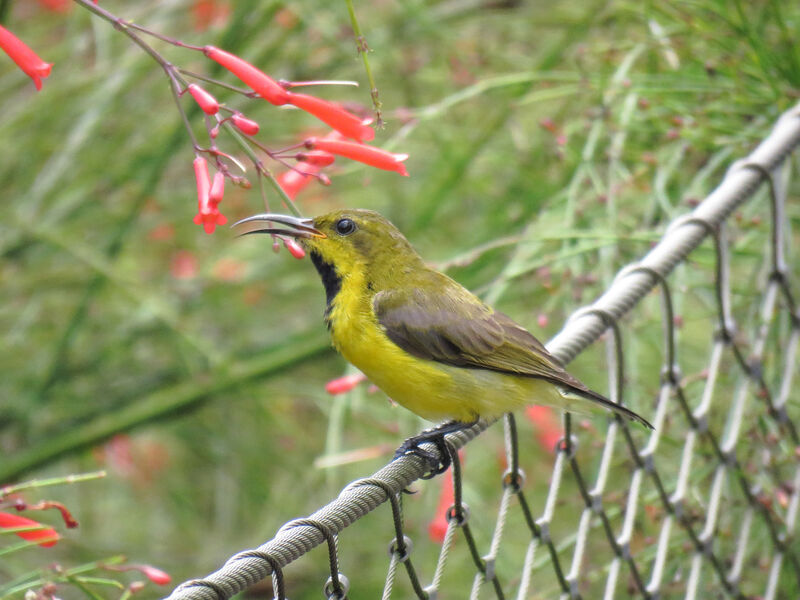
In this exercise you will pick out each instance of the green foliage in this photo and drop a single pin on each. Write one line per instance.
(550, 144)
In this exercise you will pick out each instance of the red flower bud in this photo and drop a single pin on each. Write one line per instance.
(261, 83)
(340, 385)
(155, 575)
(369, 155)
(294, 248)
(332, 114)
(44, 536)
(318, 158)
(206, 101)
(245, 125)
(26, 59)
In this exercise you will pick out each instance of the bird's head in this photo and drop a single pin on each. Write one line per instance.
(349, 240)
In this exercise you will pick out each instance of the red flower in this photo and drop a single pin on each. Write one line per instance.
(44, 536)
(208, 214)
(217, 189)
(203, 181)
(340, 385)
(369, 155)
(206, 101)
(261, 83)
(332, 114)
(26, 59)
(245, 125)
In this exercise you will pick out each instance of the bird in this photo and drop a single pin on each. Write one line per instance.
(430, 344)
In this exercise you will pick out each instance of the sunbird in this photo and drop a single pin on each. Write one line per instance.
(429, 343)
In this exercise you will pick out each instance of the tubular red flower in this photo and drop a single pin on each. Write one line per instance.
(334, 115)
(26, 59)
(318, 158)
(202, 179)
(208, 214)
(261, 83)
(368, 155)
(45, 536)
(340, 385)
(217, 189)
(245, 125)
(206, 101)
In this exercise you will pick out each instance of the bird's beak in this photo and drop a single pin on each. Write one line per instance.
(297, 226)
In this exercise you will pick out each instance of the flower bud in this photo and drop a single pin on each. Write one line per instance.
(206, 101)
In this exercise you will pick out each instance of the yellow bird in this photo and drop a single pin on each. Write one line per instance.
(429, 343)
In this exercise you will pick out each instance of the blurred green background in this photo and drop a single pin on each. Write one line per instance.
(549, 142)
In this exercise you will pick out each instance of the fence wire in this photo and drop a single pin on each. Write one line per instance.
(721, 523)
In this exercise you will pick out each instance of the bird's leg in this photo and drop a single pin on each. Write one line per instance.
(435, 435)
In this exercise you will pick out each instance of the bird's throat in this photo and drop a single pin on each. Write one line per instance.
(330, 279)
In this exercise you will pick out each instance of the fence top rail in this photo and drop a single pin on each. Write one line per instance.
(632, 283)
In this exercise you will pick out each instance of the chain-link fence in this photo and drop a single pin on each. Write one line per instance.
(703, 506)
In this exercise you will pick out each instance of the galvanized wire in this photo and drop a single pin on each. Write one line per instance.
(730, 483)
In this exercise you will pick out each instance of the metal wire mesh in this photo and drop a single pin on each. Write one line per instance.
(720, 523)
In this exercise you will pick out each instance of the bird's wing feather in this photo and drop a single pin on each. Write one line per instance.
(446, 323)
(453, 326)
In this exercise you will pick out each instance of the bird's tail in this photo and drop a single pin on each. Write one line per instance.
(582, 395)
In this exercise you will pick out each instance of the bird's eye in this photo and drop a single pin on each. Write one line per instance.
(345, 226)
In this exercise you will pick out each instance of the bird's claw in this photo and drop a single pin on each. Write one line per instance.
(438, 463)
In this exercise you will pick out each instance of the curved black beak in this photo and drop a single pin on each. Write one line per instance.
(297, 227)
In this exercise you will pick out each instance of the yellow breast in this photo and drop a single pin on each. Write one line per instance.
(432, 390)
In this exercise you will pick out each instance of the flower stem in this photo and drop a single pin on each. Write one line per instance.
(363, 50)
(176, 81)
(263, 172)
(233, 88)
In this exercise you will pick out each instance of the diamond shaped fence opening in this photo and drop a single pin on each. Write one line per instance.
(711, 496)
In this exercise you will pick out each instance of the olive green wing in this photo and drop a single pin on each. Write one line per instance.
(440, 320)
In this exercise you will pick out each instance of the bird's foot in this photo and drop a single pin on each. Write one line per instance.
(439, 463)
